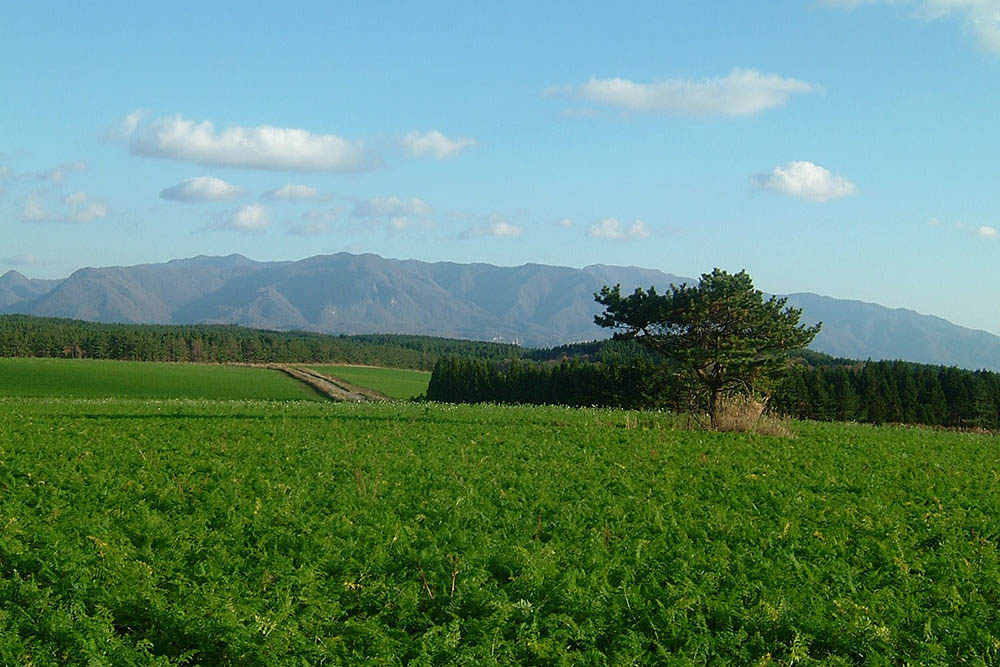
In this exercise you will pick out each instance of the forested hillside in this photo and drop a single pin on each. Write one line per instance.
(26, 336)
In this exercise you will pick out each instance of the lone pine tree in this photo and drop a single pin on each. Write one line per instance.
(725, 337)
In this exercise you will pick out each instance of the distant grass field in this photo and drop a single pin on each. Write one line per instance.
(174, 532)
(393, 382)
(86, 378)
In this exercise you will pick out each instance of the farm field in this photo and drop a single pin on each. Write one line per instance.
(261, 533)
(397, 383)
(89, 378)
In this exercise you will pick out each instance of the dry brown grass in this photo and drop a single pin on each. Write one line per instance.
(740, 413)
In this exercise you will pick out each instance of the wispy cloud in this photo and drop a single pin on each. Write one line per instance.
(262, 147)
(433, 144)
(125, 127)
(252, 218)
(613, 229)
(805, 180)
(292, 191)
(25, 259)
(565, 223)
(981, 18)
(741, 92)
(385, 207)
(202, 188)
(316, 222)
(56, 175)
(77, 207)
(499, 228)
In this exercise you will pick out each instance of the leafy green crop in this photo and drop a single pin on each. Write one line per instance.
(393, 382)
(259, 533)
(87, 378)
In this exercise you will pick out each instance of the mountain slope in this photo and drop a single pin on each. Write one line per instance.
(533, 304)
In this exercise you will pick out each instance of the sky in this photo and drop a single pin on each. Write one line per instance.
(844, 147)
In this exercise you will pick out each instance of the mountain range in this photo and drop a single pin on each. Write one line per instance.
(534, 304)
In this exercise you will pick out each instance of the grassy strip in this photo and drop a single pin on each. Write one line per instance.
(393, 382)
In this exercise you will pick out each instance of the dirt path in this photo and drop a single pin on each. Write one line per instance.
(331, 387)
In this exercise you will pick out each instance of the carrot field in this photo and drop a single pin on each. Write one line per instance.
(152, 531)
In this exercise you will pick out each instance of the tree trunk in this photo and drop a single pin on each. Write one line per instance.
(713, 408)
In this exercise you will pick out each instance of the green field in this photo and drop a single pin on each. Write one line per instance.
(261, 533)
(87, 378)
(393, 382)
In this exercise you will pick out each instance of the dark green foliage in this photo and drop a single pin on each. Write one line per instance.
(725, 337)
(26, 336)
(891, 391)
(207, 533)
(98, 378)
(638, 383)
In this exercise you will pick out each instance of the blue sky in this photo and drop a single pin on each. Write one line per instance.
(846, 147)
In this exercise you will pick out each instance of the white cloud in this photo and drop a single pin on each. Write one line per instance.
(77, 208)
(292, 191)
(262, 147)
(980, 17)
(4, 172)
(987, 232)
(402, 222)
(202, 188)
(805, 180)
(741, 92)
(496, 229)
(125, 127)
(82, 209)
(249, 218)
(612, 228)
(388, 207)
(565, 223)
(433, 144)
(57, 174)
(26, 259)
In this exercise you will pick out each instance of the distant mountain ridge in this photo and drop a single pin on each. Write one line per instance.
(533, 304)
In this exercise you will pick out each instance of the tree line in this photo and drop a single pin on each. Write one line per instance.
(29, 336)
(821, 388)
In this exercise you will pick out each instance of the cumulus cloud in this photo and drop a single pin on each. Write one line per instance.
(613, 229)
(202, 188)
(741, 92)
(77, 208)
(981, 18)
(58, 174)
(248, 219)
(262, 147)
(389, 207)
(433, 144)
(805, 180)
(497, 229)
(125, 127)
(987, 232)
(292, 191)
(25, 259)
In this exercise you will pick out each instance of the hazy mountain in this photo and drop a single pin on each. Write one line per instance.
(15, 288)
(533, 304)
